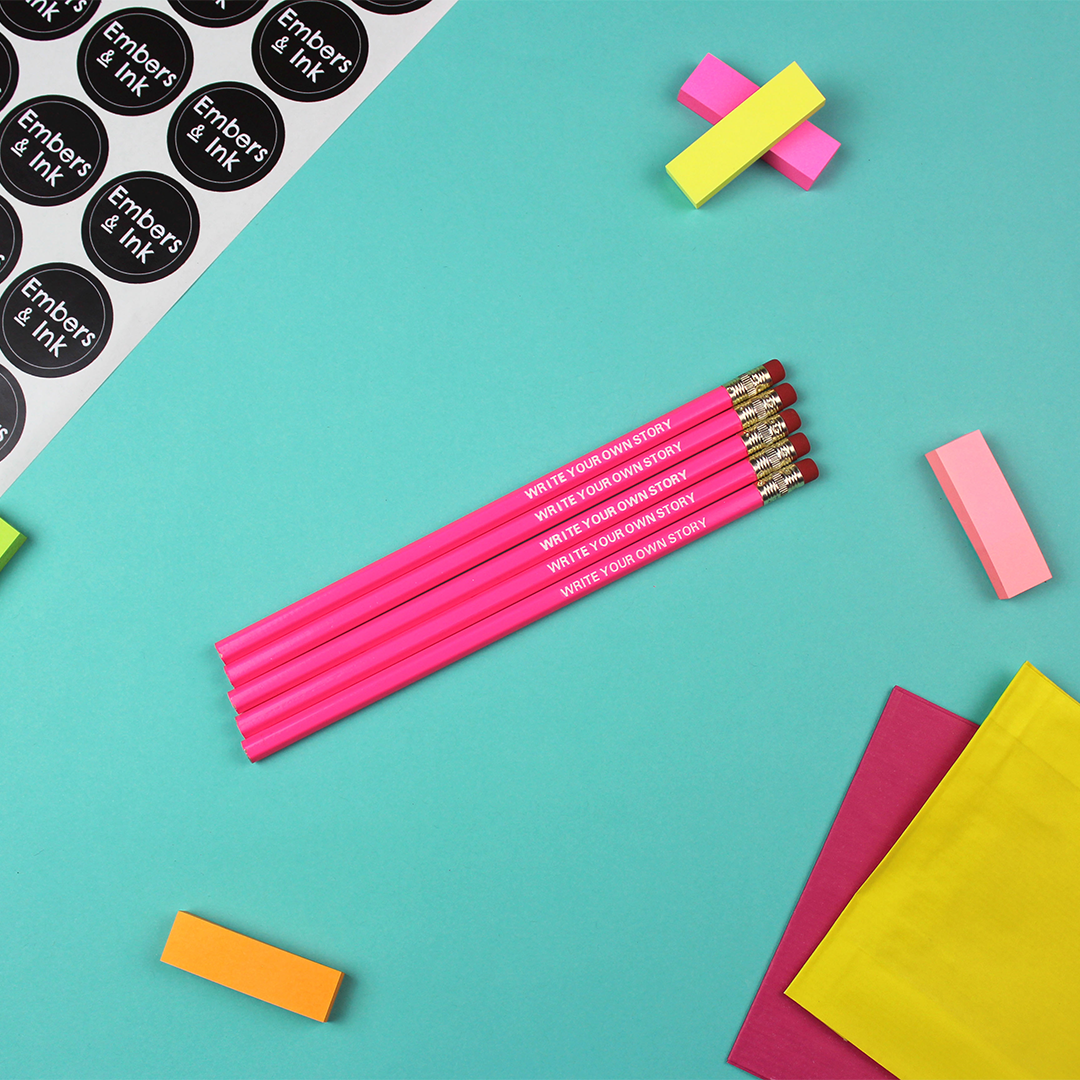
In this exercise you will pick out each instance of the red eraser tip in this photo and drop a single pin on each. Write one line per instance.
(809, 470)
(801, 444)
(792, 419)
(786, 393)
(776, 371)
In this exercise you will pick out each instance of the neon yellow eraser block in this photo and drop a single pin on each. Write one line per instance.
(745, 134)
(10, 542)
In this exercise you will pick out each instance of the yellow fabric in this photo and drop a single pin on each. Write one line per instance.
(960, 955)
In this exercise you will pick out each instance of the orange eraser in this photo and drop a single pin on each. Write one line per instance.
(252, 967)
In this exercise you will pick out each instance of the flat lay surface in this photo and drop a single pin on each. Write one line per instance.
(573, 853)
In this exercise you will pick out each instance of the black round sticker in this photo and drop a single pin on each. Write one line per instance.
(54, 319)
(226, 136)
(52, 149)
(140, 227)
(45, 19)
(392, 7)
(9, 71)
(135, 61)
(10, 238)
(310, 50)
(12, 412)
(217, 12)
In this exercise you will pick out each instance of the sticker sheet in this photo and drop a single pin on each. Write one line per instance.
(135, 143)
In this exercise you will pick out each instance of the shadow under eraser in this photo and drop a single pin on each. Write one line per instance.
(983, 501)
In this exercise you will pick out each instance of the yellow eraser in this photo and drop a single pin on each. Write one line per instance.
(252, 967)
(10, 542)
(745, 134)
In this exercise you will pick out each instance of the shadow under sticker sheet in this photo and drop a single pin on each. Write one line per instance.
(135, 143)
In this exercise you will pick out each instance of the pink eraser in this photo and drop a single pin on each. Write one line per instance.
(979, 493)
(715, 88)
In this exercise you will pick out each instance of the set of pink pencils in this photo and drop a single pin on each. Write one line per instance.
(567, 534)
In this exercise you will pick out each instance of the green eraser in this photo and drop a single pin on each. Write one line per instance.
(10, 542)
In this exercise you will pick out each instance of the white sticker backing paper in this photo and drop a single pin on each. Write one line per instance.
(135, 143)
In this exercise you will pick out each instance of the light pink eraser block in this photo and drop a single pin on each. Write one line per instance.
(715, 88)
(979, 493)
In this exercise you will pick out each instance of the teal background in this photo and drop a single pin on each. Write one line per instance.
(573, 853)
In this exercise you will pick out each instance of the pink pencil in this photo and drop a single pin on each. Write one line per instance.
(729, 454)
(495, 541)
(495, 513)
(638, 553)
(574, 559)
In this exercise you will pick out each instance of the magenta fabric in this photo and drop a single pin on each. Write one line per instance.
(912, 748)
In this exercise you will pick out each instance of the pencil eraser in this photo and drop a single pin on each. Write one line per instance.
(786, 393)
(809, 470)
(10, 542)
(745, 134)
(715, 88)
(983, 501)
(775, 370)
(792, 419)
(252, 967)
(801, 444)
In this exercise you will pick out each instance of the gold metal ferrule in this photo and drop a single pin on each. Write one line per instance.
(746, 386)
(760, 408)
(772, 458)
(765, 434)
(780, 483)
